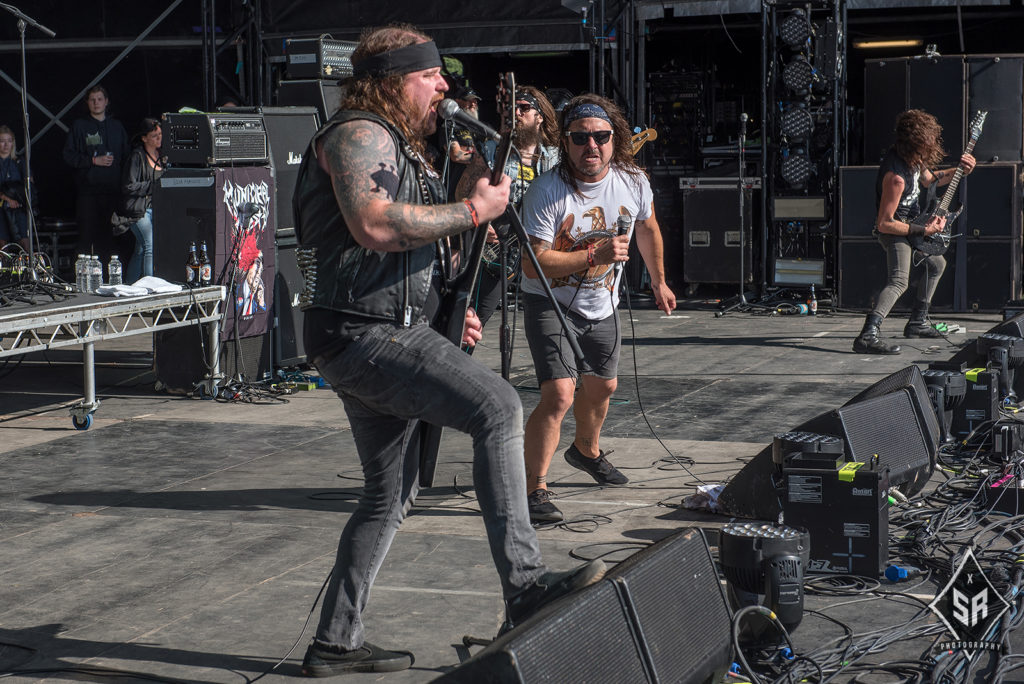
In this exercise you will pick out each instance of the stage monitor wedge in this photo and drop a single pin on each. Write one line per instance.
(660, 616)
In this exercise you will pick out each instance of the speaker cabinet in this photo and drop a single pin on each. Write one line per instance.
(997, 87)
(289, 349)
(863, 273)
(630, 627)
(179, 358)
(886, 427)
(289, 130)
(992, 202)
(324, 95)
(936, 85)
(857, 210)
(712, 230)
(668, 208)
(892, 419)
(232, 210)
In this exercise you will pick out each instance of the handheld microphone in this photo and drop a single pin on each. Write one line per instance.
(449, 110)
(622, 225)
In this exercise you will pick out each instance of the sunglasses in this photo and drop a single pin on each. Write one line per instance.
(581, 137)
(523, 108)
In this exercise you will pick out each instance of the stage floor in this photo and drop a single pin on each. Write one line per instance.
(187, 539)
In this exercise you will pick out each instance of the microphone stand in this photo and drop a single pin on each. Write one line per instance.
(741, 304)
(40, 280)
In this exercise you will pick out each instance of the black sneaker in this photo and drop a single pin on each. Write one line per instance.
(549, 587)
(541, 508)
(598, 468)
(325, 661)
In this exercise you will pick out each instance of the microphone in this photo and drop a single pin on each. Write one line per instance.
(622, 225)
(449, 110)
(743, 125)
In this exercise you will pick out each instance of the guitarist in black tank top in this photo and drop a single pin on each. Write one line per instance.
(901, 175)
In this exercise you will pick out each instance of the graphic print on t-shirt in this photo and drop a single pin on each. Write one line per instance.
(593, 230)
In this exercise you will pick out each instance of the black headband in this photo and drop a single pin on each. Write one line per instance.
(403, 60)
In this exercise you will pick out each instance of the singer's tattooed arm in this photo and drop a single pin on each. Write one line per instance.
(361, 158)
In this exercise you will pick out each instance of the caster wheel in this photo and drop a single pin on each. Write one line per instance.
(82, 423)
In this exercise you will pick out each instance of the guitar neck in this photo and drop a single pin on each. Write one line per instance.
(947, 197)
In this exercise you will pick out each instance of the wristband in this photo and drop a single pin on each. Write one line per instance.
(590, 255)
(472, 213)
(914, 230)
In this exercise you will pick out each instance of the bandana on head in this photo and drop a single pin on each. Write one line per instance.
(403, 60)
(586, 110)
(527, 98)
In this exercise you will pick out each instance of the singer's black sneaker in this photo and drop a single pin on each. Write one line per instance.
(541, 508)
(598, 468)
(326, 661)
(549, 587)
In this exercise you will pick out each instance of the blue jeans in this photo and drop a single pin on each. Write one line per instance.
(141, 263)
(388, 379)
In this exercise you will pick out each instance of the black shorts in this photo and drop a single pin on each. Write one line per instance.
(553, 358)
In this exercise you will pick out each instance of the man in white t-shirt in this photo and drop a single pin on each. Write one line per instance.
(571, 214)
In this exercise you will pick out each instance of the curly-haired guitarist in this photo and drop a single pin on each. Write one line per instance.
(903, 172)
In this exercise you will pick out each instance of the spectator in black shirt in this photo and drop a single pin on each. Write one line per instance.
(96, 148)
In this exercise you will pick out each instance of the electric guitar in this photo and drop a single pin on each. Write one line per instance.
(938, 243)
(638, 140)
(460, 269)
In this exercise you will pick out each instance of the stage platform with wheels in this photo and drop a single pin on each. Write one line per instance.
(42, 323)
(187, 540)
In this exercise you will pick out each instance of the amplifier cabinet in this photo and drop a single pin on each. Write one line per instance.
(289, 349)
(289, 130)
(319, 57)
(324, 95)
(232, 210)
(857, 201)
(211, 139)
(712, 233)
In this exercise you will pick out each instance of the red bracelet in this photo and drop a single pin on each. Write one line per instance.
(590, 255)
(472, 213)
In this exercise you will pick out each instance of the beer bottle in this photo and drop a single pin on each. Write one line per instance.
(205, 267)
(192, 267)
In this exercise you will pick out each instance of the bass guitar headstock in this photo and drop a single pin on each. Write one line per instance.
(507, 110)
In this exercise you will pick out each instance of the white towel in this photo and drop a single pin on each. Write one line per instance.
(121, 291)
(156, 285)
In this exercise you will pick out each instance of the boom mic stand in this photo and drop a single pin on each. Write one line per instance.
(741, 304)
(38, 280)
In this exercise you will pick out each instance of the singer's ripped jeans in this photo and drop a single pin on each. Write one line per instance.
(387, 378)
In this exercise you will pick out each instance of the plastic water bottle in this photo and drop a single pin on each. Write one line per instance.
(95, 273)
(114, 270)
(82, 273)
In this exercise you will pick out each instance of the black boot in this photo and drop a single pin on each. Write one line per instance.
(919, 325)
(868, 343)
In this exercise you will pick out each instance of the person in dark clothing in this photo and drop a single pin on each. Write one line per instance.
(901, 175)
(140, 175)
(96, 148)
(13, 207)
(370, 211)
